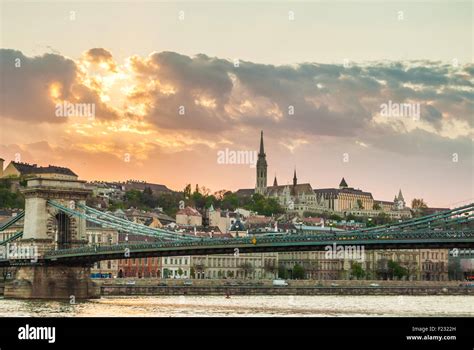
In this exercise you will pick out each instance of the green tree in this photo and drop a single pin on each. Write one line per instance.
(298, 272)
(180, 272)
(396, 270)
(357, 270)
(376, 206)
(9, 198)
(359, 204)
(351, 217)
(264, 206)
(282, 271)
(335, 217)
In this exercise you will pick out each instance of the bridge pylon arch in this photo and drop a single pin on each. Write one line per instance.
(47, 228)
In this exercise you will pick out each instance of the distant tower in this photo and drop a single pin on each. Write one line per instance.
(400, 201)
(295, 180)
(343, 184)
(261, 186)
(275, 182)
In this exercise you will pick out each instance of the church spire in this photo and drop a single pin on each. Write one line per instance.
(400, 195)
(295, 180)
(275, 182)
(262, 151)
(343, 184)
(261, 186)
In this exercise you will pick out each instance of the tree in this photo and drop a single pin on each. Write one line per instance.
(9, 198)
(282, 271)
(192, 272)
(376, 206)
(351, 217)
(270, 267)
(264, 206)
(382, 218)
(418, 203)
(418, 206)
(247, 268)
(166, 273)
(396, 270)
(359, 204)
(298, 272)
(357, 270)
(187, 191)
(180, 272)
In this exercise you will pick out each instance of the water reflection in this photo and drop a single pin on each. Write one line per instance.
(166, 306)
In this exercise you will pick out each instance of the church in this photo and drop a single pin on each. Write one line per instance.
(295, 197)
(299, 198)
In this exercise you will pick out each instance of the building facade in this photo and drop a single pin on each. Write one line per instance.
(241, 266)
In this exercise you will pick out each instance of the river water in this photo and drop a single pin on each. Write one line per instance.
(188, 306)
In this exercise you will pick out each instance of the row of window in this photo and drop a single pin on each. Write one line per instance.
(176, 261)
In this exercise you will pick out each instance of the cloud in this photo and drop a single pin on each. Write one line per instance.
(31, 87)
(210, 101)
(101, 57)
(327, 100)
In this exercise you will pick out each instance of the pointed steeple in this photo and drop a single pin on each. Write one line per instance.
(295, 180)
(262, 151)
(400, 195)
(343, 184)
(261, 185)
(275, 182)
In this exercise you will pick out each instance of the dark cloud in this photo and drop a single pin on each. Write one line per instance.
(26, 82)
(329, 100)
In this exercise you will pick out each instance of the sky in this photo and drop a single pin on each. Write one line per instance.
(173, 84)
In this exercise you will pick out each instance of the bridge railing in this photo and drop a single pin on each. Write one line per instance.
(210, 242)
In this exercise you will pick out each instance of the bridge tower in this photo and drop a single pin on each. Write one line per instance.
(47, 228)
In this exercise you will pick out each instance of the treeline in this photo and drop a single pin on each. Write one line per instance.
(200, 198)
(380, 219)
(10, 197)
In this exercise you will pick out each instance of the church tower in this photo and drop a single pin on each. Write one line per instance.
(261, 186)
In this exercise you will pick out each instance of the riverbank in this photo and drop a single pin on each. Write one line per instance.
(176, 287)
(150, 287)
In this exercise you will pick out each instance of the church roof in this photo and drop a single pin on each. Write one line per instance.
(294, 190)
(244, 192)
(337, 191)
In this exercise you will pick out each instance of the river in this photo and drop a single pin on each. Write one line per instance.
(189, 306)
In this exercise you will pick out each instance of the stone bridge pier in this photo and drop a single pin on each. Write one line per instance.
(47, 228)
